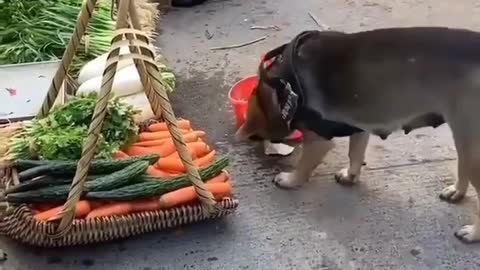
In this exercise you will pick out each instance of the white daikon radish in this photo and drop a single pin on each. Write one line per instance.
(126, 82)
(95, 67)
(140, 102)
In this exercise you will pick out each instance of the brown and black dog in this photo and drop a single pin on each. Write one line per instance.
(332, 84)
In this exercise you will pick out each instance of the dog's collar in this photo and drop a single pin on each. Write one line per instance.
(287, 83)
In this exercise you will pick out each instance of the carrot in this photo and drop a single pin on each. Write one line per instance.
(150, 136)
(196, 150)
(170, 164)
(163, 150)
(224, 176)
(139, 151)
(173, 163)
(112, 209)
(151, 143)
(42, 207)
(82, 209)
(206, 160)
(188, 195)
(194, 135)
(162, 126)
(145, 205)
(189, 138)
(96, 204)
(120, 155)
(154, 172)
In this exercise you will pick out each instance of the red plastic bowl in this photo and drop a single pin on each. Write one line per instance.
(239, 95)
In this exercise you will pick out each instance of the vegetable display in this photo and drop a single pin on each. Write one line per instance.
(130, 181)
(91, 169)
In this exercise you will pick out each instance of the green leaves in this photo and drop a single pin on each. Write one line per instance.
(61, 134)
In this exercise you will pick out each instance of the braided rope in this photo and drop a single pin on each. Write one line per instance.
(57, 81)
(143, 53)
(89, 147)
(142, 46)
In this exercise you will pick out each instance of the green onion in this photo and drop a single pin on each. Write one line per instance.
(39, 30)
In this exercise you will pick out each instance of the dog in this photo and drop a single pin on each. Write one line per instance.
(333, 84)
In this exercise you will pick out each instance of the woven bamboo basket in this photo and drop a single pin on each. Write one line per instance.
(17, 221)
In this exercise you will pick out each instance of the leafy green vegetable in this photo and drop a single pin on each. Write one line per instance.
(61, 134)
(39, 30)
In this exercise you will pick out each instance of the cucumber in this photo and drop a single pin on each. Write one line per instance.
(44, 181)
(56, 167)
(24, 164)
(58, 193)
(155, 187)
(119, 178)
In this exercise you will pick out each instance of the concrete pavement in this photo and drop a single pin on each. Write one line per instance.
(392, 219)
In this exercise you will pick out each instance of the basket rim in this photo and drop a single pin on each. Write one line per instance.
(21, 226)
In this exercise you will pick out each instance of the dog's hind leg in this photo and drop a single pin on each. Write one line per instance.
(356, 154)
(313, 151)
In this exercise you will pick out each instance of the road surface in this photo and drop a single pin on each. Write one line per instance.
(392, 219)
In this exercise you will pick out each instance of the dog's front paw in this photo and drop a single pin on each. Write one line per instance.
(288, 180)
(344, 178)
(452, 194)
(468, 234)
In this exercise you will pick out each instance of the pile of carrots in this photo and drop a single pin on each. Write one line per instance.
(156, 140)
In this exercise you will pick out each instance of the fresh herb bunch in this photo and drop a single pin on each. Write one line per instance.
(62, 133)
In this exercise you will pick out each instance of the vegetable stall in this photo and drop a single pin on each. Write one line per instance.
(86, 169)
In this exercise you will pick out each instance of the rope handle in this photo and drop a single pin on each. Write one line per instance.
(144, 59)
